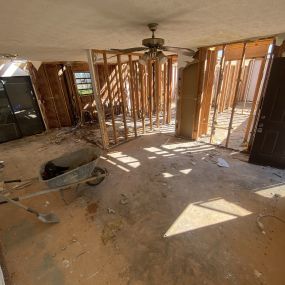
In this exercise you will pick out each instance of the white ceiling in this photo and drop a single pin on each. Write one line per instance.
(48, 30)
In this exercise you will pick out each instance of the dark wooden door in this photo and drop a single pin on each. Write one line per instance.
(24, 105)
(268, 147)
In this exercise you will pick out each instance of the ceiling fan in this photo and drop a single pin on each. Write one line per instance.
(154, 48)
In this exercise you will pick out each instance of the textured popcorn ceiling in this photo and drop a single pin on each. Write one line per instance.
(61, 29)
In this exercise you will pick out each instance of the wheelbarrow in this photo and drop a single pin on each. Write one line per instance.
(81, 167)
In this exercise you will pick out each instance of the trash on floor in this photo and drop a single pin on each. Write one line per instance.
(222, 163)
(124, 200)
(111, 211)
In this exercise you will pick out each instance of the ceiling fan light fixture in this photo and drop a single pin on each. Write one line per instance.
(161, 57)
(144, 59)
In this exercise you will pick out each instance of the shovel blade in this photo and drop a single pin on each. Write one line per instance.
(48, 218)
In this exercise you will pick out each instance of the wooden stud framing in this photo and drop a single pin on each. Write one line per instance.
(157, 90)
(122, 95)
(164, 92)
(169, 90)
(150, 93)
(136, 86)
(142, 85)
(106, 72)
(224, 87)
(231, 86)
(201, 85)
(235, 82)
(255, 100)
(236, 93)
(99, 107)
(120, 102)
(207, 94)
(132, 91)
(216, 97)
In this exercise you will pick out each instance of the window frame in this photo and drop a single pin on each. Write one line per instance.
(83, 79)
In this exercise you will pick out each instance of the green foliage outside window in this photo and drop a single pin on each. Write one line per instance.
(83, 83)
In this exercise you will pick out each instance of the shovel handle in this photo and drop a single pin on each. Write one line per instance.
(5, 201)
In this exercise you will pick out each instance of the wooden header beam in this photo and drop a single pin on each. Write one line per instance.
(239, 42)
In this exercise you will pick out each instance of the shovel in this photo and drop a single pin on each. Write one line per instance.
(45, 218)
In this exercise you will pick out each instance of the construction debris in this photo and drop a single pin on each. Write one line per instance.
(111, 211)
(124, 200)
(261, 225)
(66, 263)
(222, 163)
(89, 133)
(257, 273)
(23, 185)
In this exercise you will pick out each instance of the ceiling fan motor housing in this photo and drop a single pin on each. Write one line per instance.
(153, 42)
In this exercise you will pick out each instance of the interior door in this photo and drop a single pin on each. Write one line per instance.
(24, 105)
(8, 126)
(268, 147)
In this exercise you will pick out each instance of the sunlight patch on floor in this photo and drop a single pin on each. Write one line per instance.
(167, 175)
(129, 160)
(114, 163)
(185, 171)
(270, 192)
(203, 214)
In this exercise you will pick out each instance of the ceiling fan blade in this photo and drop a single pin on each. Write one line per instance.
(184, 51)
(128, 50)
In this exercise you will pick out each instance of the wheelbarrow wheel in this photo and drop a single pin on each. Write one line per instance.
(96, 172)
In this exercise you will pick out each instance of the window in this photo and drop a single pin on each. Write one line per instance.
(83, 83)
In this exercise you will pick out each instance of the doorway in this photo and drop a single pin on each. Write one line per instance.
(234, 76)
(19, 111)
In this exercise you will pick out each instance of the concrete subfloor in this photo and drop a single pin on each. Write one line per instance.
(178, 218)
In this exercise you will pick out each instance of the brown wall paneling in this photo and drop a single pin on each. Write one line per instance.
(47, 99)
(61, 105)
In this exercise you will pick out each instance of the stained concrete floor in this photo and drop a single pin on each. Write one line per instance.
(178, 218)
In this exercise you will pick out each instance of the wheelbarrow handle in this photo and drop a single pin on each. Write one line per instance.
(12, 181)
